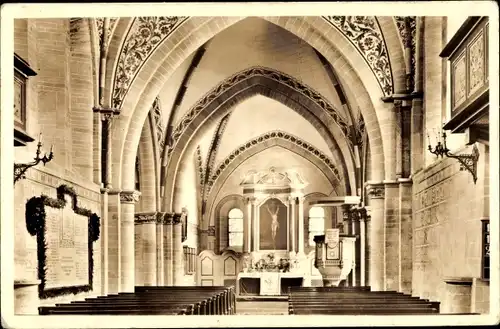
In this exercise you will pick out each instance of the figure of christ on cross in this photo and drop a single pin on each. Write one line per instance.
(275, 225)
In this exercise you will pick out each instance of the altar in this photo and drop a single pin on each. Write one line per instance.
(267, 283)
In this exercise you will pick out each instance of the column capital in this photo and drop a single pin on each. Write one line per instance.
(248, 200)
(375, 190)
(129, 196)
(168, 218)
(301, 199)
(291, 200)
(178, 217)
(112, 191)
(145, 217)
(106, 113)
(211, 231)
(253, 200)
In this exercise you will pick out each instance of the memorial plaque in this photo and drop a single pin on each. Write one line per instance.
(66, 237)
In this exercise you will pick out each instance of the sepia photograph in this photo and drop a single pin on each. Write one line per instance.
(255, 164)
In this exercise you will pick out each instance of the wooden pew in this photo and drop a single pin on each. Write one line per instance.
(355, 301)
(155, 301)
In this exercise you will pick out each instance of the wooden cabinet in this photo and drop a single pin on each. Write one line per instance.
(22, 71)
(467, 52)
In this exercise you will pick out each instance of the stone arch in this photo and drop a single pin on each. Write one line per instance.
(395, 51)
(196, 31)
(258, 148)
(213, 107)
(223, 207)
(147, 158)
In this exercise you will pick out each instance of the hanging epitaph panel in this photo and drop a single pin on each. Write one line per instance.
(273, 225)
(66, 235)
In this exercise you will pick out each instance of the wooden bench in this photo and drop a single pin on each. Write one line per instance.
(355, 301)
(154, 301)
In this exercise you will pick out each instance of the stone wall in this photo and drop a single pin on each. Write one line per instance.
(59, 104)
(447, 212)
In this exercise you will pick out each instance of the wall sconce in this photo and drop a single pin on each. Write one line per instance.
(467, 161)
(21, 168)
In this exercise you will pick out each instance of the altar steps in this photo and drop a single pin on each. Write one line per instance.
(262, 307)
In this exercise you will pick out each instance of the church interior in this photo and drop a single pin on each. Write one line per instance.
(251, 165)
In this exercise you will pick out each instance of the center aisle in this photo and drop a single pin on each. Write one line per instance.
(262, 307)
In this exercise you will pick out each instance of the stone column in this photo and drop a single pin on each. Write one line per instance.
(104, 241)
(300, 210)
(26, 299)
(354, 219)
(405, 234)
(147, 246)
(391, 236)
(114, 247)
(168, 249)
(376, 193)
(247, 222)
(346, 218)
(160, 260)
(211, 238)
(293, 219)
(127, 259)
(362, 246)
(458, 293)
(177, 250)
(255, 221)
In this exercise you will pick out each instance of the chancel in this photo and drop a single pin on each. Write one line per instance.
(251, 165)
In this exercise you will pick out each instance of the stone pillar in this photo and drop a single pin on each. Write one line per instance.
(354, 250)
(160, 260)
(458, 293)
(211, 238)
(247, 229)
(255, 221)
(177, 250)
(362, 246)
(127, 257)
(104, 241)
(300, 210)
(405, 236)
(26, 299)
(293, 230)
(168, 249)
(392, 236)
(376, 193)
(346, 219)
(114, 247)
(203, 236)
(147, 247)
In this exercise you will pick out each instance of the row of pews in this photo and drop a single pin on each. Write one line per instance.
(165, 300)
(355, 301)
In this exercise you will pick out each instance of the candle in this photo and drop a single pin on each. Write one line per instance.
(51, 148)
(428, 137)
(40, 138)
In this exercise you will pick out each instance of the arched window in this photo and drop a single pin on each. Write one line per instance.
(235, 228)
(316, 223)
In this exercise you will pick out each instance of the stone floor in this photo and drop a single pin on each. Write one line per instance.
(262, 307)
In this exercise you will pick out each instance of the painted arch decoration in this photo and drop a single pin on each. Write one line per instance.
(262, 139)
(147, 33)
(252, 72)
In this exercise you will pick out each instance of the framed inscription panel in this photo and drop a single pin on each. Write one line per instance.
(67, 248)
(65, 234)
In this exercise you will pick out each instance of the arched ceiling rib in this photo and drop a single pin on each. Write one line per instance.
(146, 33)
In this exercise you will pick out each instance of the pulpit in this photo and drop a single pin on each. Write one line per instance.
(334, 256)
